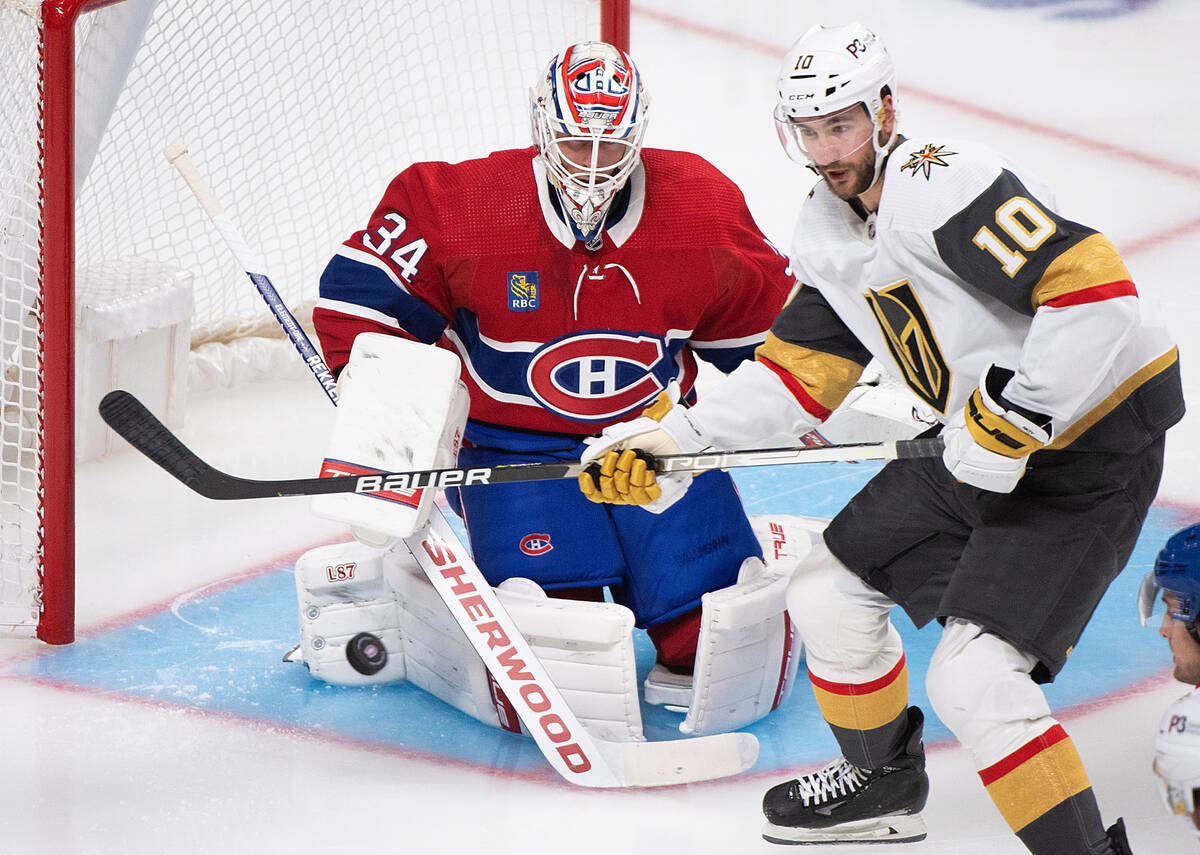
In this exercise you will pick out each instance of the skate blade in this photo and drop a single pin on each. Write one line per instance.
(902, 828)
(673, 691)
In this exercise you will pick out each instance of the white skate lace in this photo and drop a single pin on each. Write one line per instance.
(839, 778)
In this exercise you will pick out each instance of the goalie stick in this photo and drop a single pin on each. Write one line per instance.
(177, 155)
(576, 755)
(129, 418)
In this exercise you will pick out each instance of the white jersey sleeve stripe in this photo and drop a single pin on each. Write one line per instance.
(375, 261)
(726, 343)
(357, 311)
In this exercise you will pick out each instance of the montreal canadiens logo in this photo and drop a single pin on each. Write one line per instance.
(599, 84)
(596, 376)
(536, 544)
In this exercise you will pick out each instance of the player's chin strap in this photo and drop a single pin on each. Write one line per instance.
(882, 153)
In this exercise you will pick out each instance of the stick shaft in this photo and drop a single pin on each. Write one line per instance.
(129, 418)
(177, 154)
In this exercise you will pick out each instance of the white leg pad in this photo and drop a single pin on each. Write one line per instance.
(402, 408)
(844, 623)
(748, 654)
(349, 588)
(587, 649)
(342, 592)
(438, 657)
(979, 686)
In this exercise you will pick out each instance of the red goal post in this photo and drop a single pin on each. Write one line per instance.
(299, 111)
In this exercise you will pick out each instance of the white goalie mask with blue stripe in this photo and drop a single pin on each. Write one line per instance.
(589, 119)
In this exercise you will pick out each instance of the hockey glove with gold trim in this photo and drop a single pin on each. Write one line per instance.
(989, 444)
(621, 464)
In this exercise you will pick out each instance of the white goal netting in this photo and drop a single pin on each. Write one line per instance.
(298, 112)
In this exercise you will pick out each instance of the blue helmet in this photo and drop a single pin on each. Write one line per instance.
(1177, 571)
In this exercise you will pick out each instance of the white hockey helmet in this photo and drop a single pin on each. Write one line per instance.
(826, 71)
(589, 118)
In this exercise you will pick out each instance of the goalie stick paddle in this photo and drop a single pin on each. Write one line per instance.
(576, 754)
(130, 419)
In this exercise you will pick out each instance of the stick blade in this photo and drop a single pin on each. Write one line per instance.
(129, 419)
(686, 761)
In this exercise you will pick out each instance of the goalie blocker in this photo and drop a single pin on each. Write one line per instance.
(369, 616)
(402, 407)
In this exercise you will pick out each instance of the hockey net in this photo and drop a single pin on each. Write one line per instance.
(298, 112)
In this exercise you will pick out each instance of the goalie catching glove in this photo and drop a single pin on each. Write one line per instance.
(989, 444)
(620, 462)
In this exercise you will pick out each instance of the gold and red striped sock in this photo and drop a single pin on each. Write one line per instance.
(869, 720)
(1044, 795)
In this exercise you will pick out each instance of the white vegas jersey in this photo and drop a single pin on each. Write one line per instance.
(1177, 753)
(965, 264)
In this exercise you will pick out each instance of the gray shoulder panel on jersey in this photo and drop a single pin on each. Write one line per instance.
(1003, 241)
(809, 321)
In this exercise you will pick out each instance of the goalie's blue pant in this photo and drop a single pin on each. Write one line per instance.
(658, 565)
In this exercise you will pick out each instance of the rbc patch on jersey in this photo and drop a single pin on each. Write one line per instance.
(523, 292)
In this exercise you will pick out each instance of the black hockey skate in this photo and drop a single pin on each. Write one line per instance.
(845, 804)
(1116, 836)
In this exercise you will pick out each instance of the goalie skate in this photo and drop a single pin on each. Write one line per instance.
(844, 804)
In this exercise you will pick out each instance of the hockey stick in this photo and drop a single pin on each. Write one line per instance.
(177, 155)
(129, 418)
(575, 754)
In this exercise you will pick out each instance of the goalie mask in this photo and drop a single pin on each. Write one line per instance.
(828, 70)
(1177, 571)
(589, 117)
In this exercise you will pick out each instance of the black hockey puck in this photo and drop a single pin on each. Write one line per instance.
(366, 654)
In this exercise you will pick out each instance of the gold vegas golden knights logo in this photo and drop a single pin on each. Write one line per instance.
(910, 338)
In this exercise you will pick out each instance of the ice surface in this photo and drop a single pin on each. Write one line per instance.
(171, 727)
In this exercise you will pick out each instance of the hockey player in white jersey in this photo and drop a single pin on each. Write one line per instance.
(1177, 747)
(1055, 383)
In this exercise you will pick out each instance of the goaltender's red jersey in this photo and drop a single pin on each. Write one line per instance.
(555, 338)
